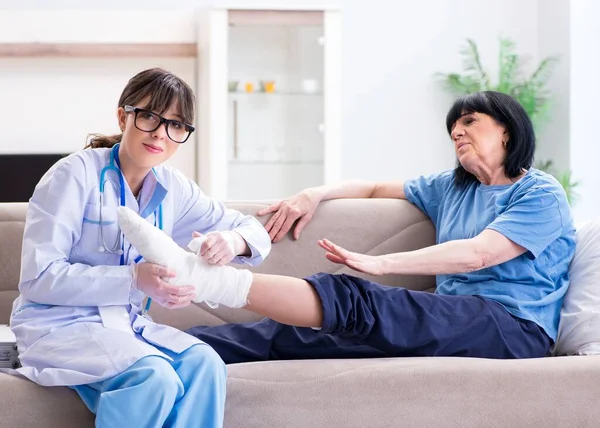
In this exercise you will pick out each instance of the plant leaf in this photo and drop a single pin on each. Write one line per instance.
(472, 62)
(566, 181)
(508, 63)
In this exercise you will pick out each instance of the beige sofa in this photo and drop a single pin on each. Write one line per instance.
(407, 392)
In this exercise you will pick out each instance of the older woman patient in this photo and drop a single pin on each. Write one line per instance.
(505, 237)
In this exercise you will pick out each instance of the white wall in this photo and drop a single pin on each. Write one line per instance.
(50, 105)
(584, 108)
(393, 108)
(554, 40)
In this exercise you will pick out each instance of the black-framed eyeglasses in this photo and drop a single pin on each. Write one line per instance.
(147, 121)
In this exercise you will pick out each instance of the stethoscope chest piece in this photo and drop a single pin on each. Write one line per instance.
(102, 249)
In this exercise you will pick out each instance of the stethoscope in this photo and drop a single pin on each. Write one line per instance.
(114, 165)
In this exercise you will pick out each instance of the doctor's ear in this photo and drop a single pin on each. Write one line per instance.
(122, 118)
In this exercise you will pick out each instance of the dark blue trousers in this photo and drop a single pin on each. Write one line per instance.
(362, 319)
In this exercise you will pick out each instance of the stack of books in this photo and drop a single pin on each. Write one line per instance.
(9, 356)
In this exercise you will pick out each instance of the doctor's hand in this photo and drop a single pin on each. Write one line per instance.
(148, 278)
(219, 248)
(301, 207)
(374, 265)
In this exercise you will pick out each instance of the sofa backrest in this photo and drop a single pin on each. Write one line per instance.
(372, 226)
(12, 223)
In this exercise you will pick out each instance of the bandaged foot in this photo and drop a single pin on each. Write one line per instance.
(214, 284)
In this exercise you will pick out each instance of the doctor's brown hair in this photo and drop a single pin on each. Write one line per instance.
(162, 89)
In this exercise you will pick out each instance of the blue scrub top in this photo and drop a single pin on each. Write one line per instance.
(533, 212)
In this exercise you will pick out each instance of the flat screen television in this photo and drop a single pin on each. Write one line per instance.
(19, 174)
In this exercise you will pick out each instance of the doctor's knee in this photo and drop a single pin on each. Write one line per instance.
(160, 378)
(206, 359)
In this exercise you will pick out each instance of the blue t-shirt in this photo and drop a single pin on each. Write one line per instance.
(533, 212)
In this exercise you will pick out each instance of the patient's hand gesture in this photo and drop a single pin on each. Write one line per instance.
(373, 265)
(301, 207)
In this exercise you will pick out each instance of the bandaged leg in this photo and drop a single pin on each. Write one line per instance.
(217, 284)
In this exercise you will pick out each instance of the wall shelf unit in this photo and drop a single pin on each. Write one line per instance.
(275, 17)
(76, 50)
(269, 144)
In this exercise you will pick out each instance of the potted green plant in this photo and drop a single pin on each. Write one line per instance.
(530, 91)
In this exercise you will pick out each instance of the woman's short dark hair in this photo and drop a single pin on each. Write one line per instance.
(506, 111)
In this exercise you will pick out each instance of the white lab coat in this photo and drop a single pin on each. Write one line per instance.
(66, 282)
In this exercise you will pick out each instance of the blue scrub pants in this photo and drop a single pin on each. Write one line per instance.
(154, 392)
(362, 319)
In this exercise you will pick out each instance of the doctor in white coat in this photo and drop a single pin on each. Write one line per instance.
(79, 319)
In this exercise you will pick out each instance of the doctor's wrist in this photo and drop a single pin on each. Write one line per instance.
(134, 276)
(240, 245)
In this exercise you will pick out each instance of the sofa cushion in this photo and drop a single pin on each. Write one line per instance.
(6, 301)
(11, 239)
(414, 392)
(25, 404)
(579, 328)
